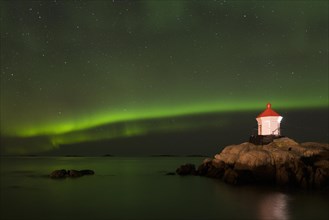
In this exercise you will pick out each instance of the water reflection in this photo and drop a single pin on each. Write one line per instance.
(273, 206)
(263, 203)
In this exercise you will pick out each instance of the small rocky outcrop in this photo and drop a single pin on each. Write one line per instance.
(74, 173)
(60, 174)
(187, 169)
(282, 162)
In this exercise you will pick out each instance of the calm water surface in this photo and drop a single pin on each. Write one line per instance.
(137, 188)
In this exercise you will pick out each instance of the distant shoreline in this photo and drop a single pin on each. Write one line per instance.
(101, 156)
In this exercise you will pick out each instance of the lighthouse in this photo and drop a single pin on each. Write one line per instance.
(269, 122)
(268, 126)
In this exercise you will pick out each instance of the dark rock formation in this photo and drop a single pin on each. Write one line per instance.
(187, 169)
(74, 173)
(282, 162)
(59, 174)
(211, 168)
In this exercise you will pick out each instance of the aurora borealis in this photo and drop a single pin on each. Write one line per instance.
(74, 72)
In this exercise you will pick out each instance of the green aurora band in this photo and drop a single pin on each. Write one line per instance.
(103, 118)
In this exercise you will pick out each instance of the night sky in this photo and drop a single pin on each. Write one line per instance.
(148, 77)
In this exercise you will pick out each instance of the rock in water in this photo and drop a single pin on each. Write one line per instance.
(211, 168)
(187, 169)
(58, 174)
(282, 162)
(74, 173)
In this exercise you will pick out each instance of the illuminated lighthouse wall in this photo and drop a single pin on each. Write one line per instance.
(269, 122)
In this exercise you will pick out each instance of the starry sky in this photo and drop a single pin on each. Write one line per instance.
(119, 76)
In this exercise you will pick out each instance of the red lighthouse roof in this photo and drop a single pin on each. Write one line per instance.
(268, 112)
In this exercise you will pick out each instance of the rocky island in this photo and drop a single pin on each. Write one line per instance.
(282, 162)
(60, 174)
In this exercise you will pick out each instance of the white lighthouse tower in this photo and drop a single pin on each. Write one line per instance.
(269, 122)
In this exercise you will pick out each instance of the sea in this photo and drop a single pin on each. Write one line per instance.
(138, 188)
